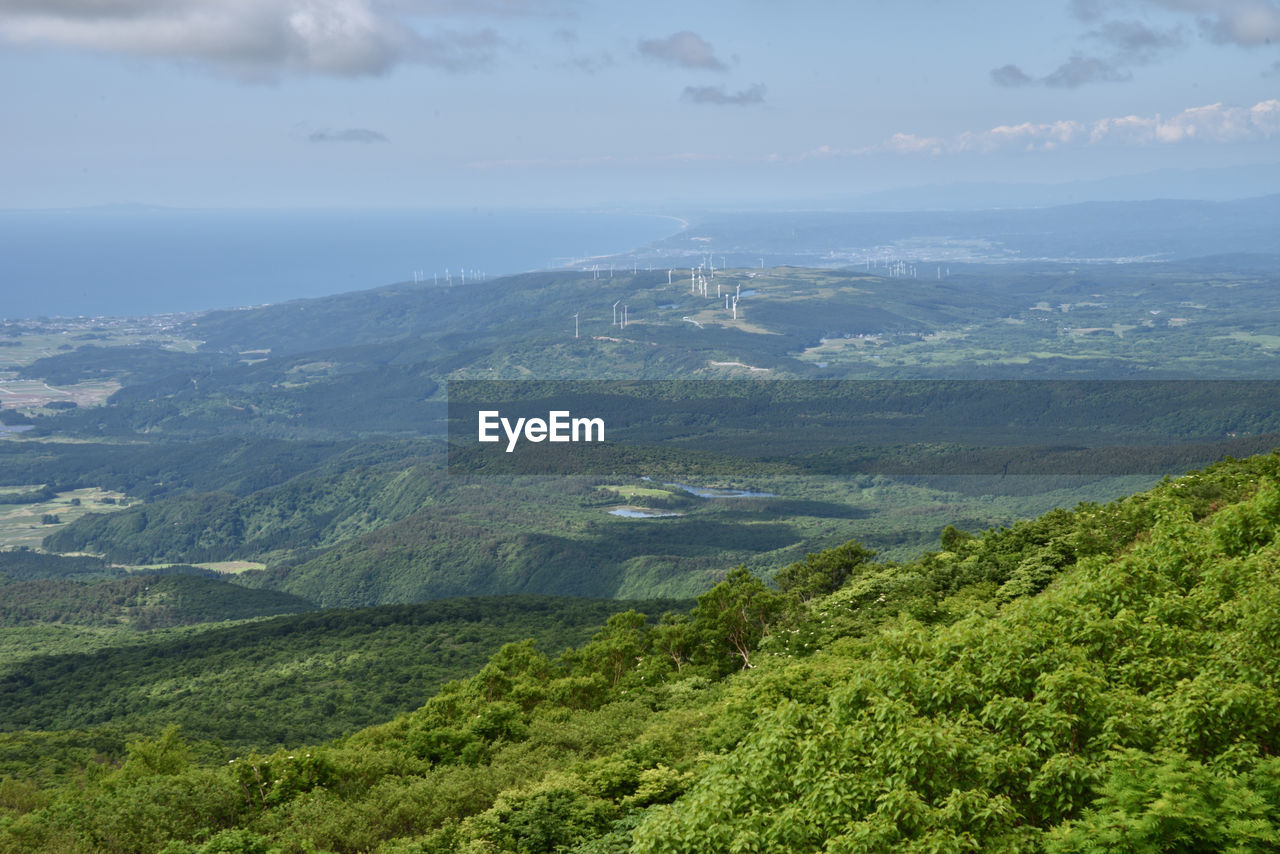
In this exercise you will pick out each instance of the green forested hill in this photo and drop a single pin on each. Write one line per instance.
(520, 537)
(306, 436)
(285, 680)
(1101, 679)
(276, 371)
(152, 469)
(28, 565)
(142, 601)
(316, 510)
(408, 530)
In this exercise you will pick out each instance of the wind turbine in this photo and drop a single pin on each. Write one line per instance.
(615, 314)
(575, 325)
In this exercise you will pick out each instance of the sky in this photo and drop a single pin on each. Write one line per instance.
(582, 103)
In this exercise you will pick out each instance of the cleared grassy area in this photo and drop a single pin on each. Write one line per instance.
(227, 567)
(22, 525)
(28, 346)
(32, 395)
(22, 345)
(1267, 342)
(8, 492)
(629, 492)
(232, 567)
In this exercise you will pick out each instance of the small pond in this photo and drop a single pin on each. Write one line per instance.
(704, 492)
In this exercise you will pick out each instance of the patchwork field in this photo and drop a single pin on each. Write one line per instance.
(27, 524)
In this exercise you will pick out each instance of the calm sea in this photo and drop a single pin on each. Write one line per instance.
(151, 261)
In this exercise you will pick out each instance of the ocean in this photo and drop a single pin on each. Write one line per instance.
(133, 261)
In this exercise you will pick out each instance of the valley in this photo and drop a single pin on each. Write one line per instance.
(226, 534)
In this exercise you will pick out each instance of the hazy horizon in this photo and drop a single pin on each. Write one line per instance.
(570, 103)
(1208, 185)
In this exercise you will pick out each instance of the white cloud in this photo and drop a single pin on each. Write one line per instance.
(906, 143)
(1216, 123)
(488, 8)
(1213, 123)
(252, 39)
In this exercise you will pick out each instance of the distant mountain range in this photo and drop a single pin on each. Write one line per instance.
(1105, 231)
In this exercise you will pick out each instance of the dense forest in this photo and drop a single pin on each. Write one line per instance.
(391, 645)
(1097, 679)
(278, 681)
(309, 438)
(143, 600)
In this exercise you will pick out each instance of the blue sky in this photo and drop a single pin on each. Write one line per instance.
(439, 103)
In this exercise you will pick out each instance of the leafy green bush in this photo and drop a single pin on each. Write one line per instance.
(1100, 679)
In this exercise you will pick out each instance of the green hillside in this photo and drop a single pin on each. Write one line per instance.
(307, 436)
(360, 530)
(284, 680)
(316, 510)
(1100, 679)
(276, 371)
(142, 601)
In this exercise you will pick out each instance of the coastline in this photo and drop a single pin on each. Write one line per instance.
(138, 263)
